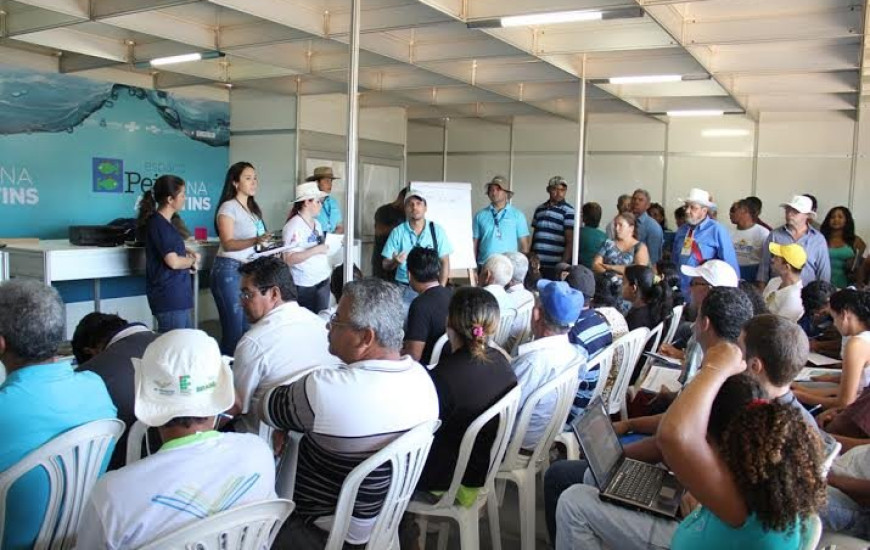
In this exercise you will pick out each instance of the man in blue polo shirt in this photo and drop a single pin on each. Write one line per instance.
(649, 231)
(701, 238)
(553, 222)
(499, 227)
(414, 232)
(41, 398)
(330, 215)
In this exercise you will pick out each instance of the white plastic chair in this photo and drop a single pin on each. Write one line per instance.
(521, 469)
(407, 457)
(250, 527)
(674, 324)
(813, 534)
(436, 351)
(285, 472)
(632, 346)
(505, 324)
(523, 319)
(604, 362)
(505, 410)
(830, 457)
(136, 438)
(73, 461)
(655, 336)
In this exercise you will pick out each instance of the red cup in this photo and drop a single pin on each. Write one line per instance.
(200, 233)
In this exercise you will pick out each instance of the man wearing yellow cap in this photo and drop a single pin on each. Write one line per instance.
(783, 292)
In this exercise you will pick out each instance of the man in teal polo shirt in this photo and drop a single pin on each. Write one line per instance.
(416, 231)
(330, 215)
(499, 227)
(41, 398)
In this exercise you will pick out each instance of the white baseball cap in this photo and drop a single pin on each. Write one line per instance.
(801, 203)
(715, 272)
(182, 373)
(699, 196)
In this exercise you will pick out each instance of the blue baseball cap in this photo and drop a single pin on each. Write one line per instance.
(562, 303)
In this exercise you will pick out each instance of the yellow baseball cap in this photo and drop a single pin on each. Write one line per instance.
(793, 254)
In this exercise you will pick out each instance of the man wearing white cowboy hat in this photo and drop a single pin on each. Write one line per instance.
(553, 222)
(701, 238)
(330, 216)
(182, 385)
(499, 227)
(797, 229)
(307, 254)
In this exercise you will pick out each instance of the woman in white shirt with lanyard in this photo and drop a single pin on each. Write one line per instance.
(307, 255)
(239, 225)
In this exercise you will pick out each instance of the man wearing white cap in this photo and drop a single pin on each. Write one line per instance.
(797, 229)
(182, 385)
(330, 216)
(499, 227)
(701, 238)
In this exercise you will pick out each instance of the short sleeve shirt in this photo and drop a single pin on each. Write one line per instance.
(167, 289)
(498, 232)
(427, 318)
(551, 221)
(299, 236)
(330, 215)
(402, 239)
(245, 226)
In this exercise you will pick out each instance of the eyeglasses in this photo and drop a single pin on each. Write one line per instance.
(334, 322)
(246, 294)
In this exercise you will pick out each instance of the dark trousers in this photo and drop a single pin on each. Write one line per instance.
(315, 298)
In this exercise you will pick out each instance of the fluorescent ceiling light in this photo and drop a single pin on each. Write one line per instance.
(690, 113)
(550, 18)
(647, 79)
(725, 132)
(184, 58)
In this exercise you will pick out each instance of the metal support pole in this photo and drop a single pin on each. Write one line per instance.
(510, 174)
(581, 154)
(352, 152)
(444, 152)
(297, 146)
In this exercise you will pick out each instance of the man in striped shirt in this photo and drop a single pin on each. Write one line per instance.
(349, 413)
(554, 229)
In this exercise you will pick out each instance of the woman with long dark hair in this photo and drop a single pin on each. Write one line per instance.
(239, 225)
(168, 263)
(307, 256)
(650, 299)
(844, 247)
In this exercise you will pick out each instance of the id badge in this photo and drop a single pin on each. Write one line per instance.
(687, 246)
(260, 227)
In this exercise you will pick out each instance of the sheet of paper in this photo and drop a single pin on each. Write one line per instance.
(820, 360)
(334, 241)
(661, 376)
(670, 361)
(807, 373)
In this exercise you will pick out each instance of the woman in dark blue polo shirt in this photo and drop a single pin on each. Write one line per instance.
(168, 263)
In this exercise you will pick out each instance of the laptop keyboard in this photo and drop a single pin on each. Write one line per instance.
(635, 482)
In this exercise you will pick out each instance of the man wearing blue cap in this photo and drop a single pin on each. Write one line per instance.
(550, 353)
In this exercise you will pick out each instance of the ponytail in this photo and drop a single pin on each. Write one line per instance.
(656, 292)
(147, 208)
(294, 211)
(473, 315)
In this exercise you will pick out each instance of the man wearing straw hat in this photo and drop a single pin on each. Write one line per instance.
(182, 384)
(797, 229)
(330, 216)
(701, 238)
(499, 227)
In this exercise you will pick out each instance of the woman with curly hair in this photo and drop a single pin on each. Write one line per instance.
(757, 482)
(850, 310)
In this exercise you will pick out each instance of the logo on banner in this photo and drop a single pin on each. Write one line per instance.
(107, 175)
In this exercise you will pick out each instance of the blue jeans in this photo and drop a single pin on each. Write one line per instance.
(171, 320)
(844, 515)
(225, 287)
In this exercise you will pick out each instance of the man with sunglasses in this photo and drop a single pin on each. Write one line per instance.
(284, 340)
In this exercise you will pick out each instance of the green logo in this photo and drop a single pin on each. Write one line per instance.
(184, 383)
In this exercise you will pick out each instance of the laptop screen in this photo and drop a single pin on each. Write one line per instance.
(599, 442)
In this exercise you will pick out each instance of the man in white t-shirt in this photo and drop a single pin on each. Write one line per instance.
(285, 339)
(782, 295)
(748, 239)
(495, 275)
(182, 384)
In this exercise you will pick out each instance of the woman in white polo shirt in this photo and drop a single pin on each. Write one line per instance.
(239, 225)
(307, 255)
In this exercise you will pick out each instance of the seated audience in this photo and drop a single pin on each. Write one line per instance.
(550, 353)
(782, 295)
(106, 345)
(851, 312)
(845, 249)
(41, 398)
(495, 275)
(284, 341)
(521, 299)
(349, 413)
(468, 381)
(650, 299)
(590, 331)
(336, 285)
(623, 250)
(428, 312)
(754, 295)
(182, 384)
(847, 510)
(849, 425)
(534, 273)
(816, 320)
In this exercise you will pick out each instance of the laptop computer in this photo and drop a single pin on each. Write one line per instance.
(622, 480)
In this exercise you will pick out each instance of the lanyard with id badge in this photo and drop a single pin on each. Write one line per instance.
(497, 219)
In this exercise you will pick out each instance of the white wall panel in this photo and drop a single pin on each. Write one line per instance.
(476, 169)
(727, 134)
(780, 178)
(608, 176)
(273, 157)
(727, 179)
(533, 170)
(256, 110)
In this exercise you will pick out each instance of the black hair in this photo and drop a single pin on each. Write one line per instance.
(166, 187)
(185, 421)
(229, 191)
(590, 214)
(656, 295)
(813, 200)
(855, 301)
(848, 228)
(754, 204)
(728, 309)
(736, 393)
(269, 271)
(816, 295)
(661, 209)
(669, 274)
(755, 297)
(336, 280)
(93, 331)
(608, 290)
(424, 264)
(679, 213)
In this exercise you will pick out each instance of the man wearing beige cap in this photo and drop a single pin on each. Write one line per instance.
(499, 227)
(701, 238)
(330, 215)
(182, 384)
(553, 222)
(797, 229)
